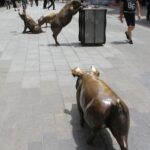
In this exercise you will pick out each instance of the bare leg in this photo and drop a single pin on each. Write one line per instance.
(129, 32)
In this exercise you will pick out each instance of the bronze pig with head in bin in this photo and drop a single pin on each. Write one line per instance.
(59, 20)
(99, 106)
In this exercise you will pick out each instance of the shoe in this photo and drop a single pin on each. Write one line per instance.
(127, 35)
(130, 42)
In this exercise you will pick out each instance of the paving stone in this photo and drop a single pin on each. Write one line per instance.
(46, 66)
(35, 146)
(62, 126)
(50, 141)
(48, 76)
(31, 80)
(66, 145)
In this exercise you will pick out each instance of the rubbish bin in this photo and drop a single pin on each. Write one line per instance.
(92, 26)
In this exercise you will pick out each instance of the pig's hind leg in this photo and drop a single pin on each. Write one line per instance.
(119, 127)
(92, 135)
(82, 122)
(56, 31)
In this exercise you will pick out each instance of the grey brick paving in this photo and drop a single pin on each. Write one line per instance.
(37, 92)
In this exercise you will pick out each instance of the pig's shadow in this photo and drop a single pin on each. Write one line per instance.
(103, 140)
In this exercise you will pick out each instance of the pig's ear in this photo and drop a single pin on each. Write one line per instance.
(95, 71)
(77, 72)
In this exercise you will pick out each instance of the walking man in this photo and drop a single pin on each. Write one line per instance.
(14, 4)
(36, 2)
(24, 5)
(8, 2)
(127, 10)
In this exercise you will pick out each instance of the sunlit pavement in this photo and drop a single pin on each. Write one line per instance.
(37, 91)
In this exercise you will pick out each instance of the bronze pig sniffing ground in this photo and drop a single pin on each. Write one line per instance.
(99, 106)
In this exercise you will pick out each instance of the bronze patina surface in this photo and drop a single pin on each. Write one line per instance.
(29, 23)
(47, 18)
(62, 18)
(100, 106)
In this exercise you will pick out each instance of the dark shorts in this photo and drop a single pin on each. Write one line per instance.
(130, 19)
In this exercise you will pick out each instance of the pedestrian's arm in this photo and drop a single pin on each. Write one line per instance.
(121, 11)
(138, 9)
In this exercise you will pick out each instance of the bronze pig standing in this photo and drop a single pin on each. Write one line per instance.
(100, 107)
(29, 23)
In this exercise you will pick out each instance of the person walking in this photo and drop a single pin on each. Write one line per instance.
(14, 4)
(24, 5)
(31, 2)
(7, 2)
(52, 4)
(44, 4)
(127, 10)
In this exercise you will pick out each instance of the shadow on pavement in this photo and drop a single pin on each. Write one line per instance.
(143, 22)
(74, 45)
(16, 33)
(120, 42)
(103, 140)
(64, 44)
(26, 33)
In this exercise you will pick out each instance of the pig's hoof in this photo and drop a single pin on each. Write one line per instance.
(57, 44)
(90, 142)
(82, 123)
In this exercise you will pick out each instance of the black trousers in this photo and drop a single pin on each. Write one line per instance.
(45, 3)
(36, 2)
(52, 4)
(8, 4)
(148, 11)
(14, 3)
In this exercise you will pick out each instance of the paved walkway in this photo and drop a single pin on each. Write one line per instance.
(37, 91)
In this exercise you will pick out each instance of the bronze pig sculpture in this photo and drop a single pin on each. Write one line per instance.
(62, 18)
(99, 106)
(47, 18)
(30, 24)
